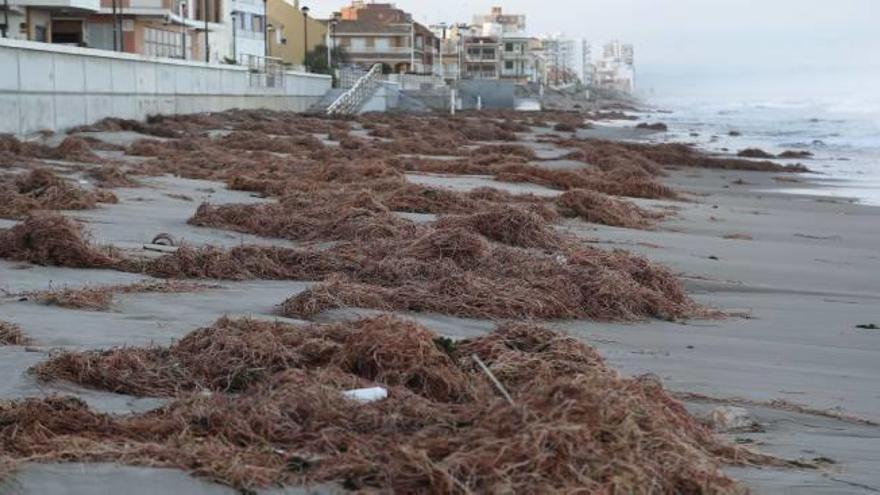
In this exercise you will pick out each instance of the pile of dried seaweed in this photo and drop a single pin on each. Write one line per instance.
(260, 404)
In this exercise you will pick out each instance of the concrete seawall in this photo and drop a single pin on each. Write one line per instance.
(53, 87)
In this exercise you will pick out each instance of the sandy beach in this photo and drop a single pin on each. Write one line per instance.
(795, 274)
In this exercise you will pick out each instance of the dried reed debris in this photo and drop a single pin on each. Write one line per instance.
(278, 417)
(51, 239)
(11, 334)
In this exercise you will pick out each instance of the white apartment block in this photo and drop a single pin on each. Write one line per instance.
(559, 58)
(616, 69)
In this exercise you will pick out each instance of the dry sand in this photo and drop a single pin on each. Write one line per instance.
(810, 274)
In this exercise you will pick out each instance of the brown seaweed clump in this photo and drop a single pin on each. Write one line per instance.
(261, 404)
(11, 334)
(596, 207)
(508, 225)
(42, 189)
(51, 239)
(100, 298)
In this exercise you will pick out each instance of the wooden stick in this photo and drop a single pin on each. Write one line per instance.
(498, 384)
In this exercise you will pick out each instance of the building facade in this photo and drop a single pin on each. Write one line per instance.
(381, 33)
(49, 21)
(559, 59)
(208, 30)
(616, 69)
(495, 46)
(292, 34)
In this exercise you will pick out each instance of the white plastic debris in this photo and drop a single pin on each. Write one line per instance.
(367, 394)
(727, 419)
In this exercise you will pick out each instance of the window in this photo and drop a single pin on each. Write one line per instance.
(40, 34)
(257, 24)
(508, 64)
(358, 44)
(508, 47)
(160, 43)
(382, 44)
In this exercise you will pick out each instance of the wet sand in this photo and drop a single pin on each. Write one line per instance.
(807, 277)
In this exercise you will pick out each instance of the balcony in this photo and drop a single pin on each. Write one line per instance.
(82, 5)
(383, 50)
(481, 58)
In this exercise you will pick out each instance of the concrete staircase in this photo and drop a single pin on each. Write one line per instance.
(324, 103)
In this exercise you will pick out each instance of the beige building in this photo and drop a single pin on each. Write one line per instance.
(381, 33)
(291, 33)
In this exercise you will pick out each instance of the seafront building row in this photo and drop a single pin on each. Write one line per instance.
(493, 46)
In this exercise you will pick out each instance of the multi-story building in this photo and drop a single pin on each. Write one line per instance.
(292, 34)
(496, 46)
(587, 68)
(250, 29)
(381, 33)
(482, 56)
(559, 58)
(509, 23)
(211, 30)
(49, 21)
(616, 69)
(191, 29)
(618, 52)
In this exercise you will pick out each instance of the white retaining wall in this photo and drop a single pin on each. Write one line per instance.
(52, 87)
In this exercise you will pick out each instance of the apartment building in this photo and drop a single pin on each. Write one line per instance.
(49, 21)
(210, 30)
(381, 33)
(588, 69)
(291, 33)
(496, 46)
(559, 58)
(616, 69)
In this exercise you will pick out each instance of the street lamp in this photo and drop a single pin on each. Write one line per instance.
(182, 11)
(305, 11)
(269, 29)
(5, 17)
(332, 45)
(234, 36)
(207, 46)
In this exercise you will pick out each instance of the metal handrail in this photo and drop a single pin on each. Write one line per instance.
(352, 100)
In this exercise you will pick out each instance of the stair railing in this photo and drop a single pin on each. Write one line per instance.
(352, 100)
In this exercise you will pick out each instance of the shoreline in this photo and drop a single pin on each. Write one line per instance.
(806, 278)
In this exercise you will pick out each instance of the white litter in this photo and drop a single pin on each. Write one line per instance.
(367, 394)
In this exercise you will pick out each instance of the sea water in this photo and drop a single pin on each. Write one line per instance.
(837, 120)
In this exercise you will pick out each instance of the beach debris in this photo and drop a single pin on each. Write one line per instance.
(371, 394)
(790, 154)
(596, 207)
(786, 179)
(100, 298)
(11, 334)
(274, 415)
(820, 237)
(739, 236)
(161, 248)
(51, 239)
(485, 369)
(734, 133)
(164, 239)
(731, 419)
(564, 127)
(658, 126)
(754, 153)
(868, 326)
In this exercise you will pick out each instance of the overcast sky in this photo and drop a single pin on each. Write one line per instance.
(674, 37)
